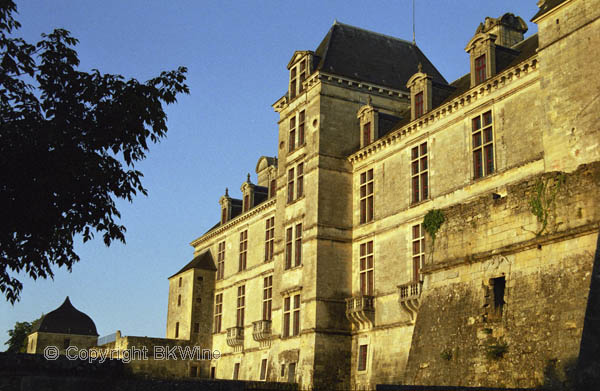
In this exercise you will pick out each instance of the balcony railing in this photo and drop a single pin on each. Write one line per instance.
(410, 298)
(235, 336)
(261, 330)
(360, 310)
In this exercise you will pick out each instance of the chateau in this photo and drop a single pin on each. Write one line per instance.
(410, 229)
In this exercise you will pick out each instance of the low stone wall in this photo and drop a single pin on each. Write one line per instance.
(389, 387)
(32, 372)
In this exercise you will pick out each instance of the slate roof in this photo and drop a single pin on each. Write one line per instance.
(547, 7)
(522, 51)
(371, 57)
(203, 261)
(66, 319)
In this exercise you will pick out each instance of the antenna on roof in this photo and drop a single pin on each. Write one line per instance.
(414, 40)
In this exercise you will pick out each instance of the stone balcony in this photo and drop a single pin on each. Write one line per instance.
(235, 336)
(410, 298)
(261, 330)
(360, 310)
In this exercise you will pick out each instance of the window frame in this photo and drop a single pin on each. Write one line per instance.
(480, 69)
(419, 173)
(218, 313)
(267, 298)
(482, 131)
(419, 106)
(367, 134)
(366, 261)
(240, 306)
(363, 352)
(293, 246)
(366, 194)
(291, 316)
(418, 250)
(221, 260)
(290, 181)
(243, 258)
(269, 238)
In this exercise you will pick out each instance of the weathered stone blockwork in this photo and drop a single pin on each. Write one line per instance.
(547, 282)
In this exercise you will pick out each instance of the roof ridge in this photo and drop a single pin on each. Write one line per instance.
(374, 33)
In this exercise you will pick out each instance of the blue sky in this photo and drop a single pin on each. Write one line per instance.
(236, 53)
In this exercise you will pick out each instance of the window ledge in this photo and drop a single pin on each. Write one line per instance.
(290, 336)
(293, 267)
(296, 200)
(419, 203)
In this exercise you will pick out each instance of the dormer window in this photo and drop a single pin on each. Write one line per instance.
(246, 202)
(299, 67)
(223, 215)
(248, 193)
(368, 118)
(421, 93)
(419, 104)
(480, 69)
(367, 133)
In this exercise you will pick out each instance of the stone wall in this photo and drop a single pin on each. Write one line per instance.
(31, 372)
(464, 335)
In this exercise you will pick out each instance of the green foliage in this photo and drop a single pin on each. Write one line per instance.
(17, 342)
(542, 201)
(446, 354)
(69, 141)
(433, 221)
(496, 351)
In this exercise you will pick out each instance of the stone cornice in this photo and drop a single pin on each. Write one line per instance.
(245, 216)
(318, 76)
(498, 82)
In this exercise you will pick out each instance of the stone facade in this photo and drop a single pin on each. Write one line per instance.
(331, 281)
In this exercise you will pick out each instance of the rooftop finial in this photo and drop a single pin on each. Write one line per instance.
(226, 192)
(420, 67)
(335, 21)
(248, 178)
(369, 100)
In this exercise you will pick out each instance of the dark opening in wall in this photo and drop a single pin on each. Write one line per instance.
(498, 285)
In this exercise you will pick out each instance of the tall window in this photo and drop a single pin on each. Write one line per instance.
(246, 202)
(290, 180)
(236, 371)
(241, 304)
(292, 139)
(291, 316)
(294, 193)
(293, 82)
(366, 269)
(179, 301)
(223, 215)
(176, 329)
(263, 369)
(303, 72)
(293, 246)
(419, 104)
(366, 196)
(419, 173)
(300, 180)
(362, 357)
(367, 134)
(480, 69)
(218, 313)
(301, 116)
(483, 145)
(273, 188)
(269, 238)
(221, 261)
(418, 250)
(243, 250)
(267, 297)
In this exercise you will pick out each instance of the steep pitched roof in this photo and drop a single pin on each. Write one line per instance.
(203, 261)
(371, 57)
(66, 319)
(547, 6)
